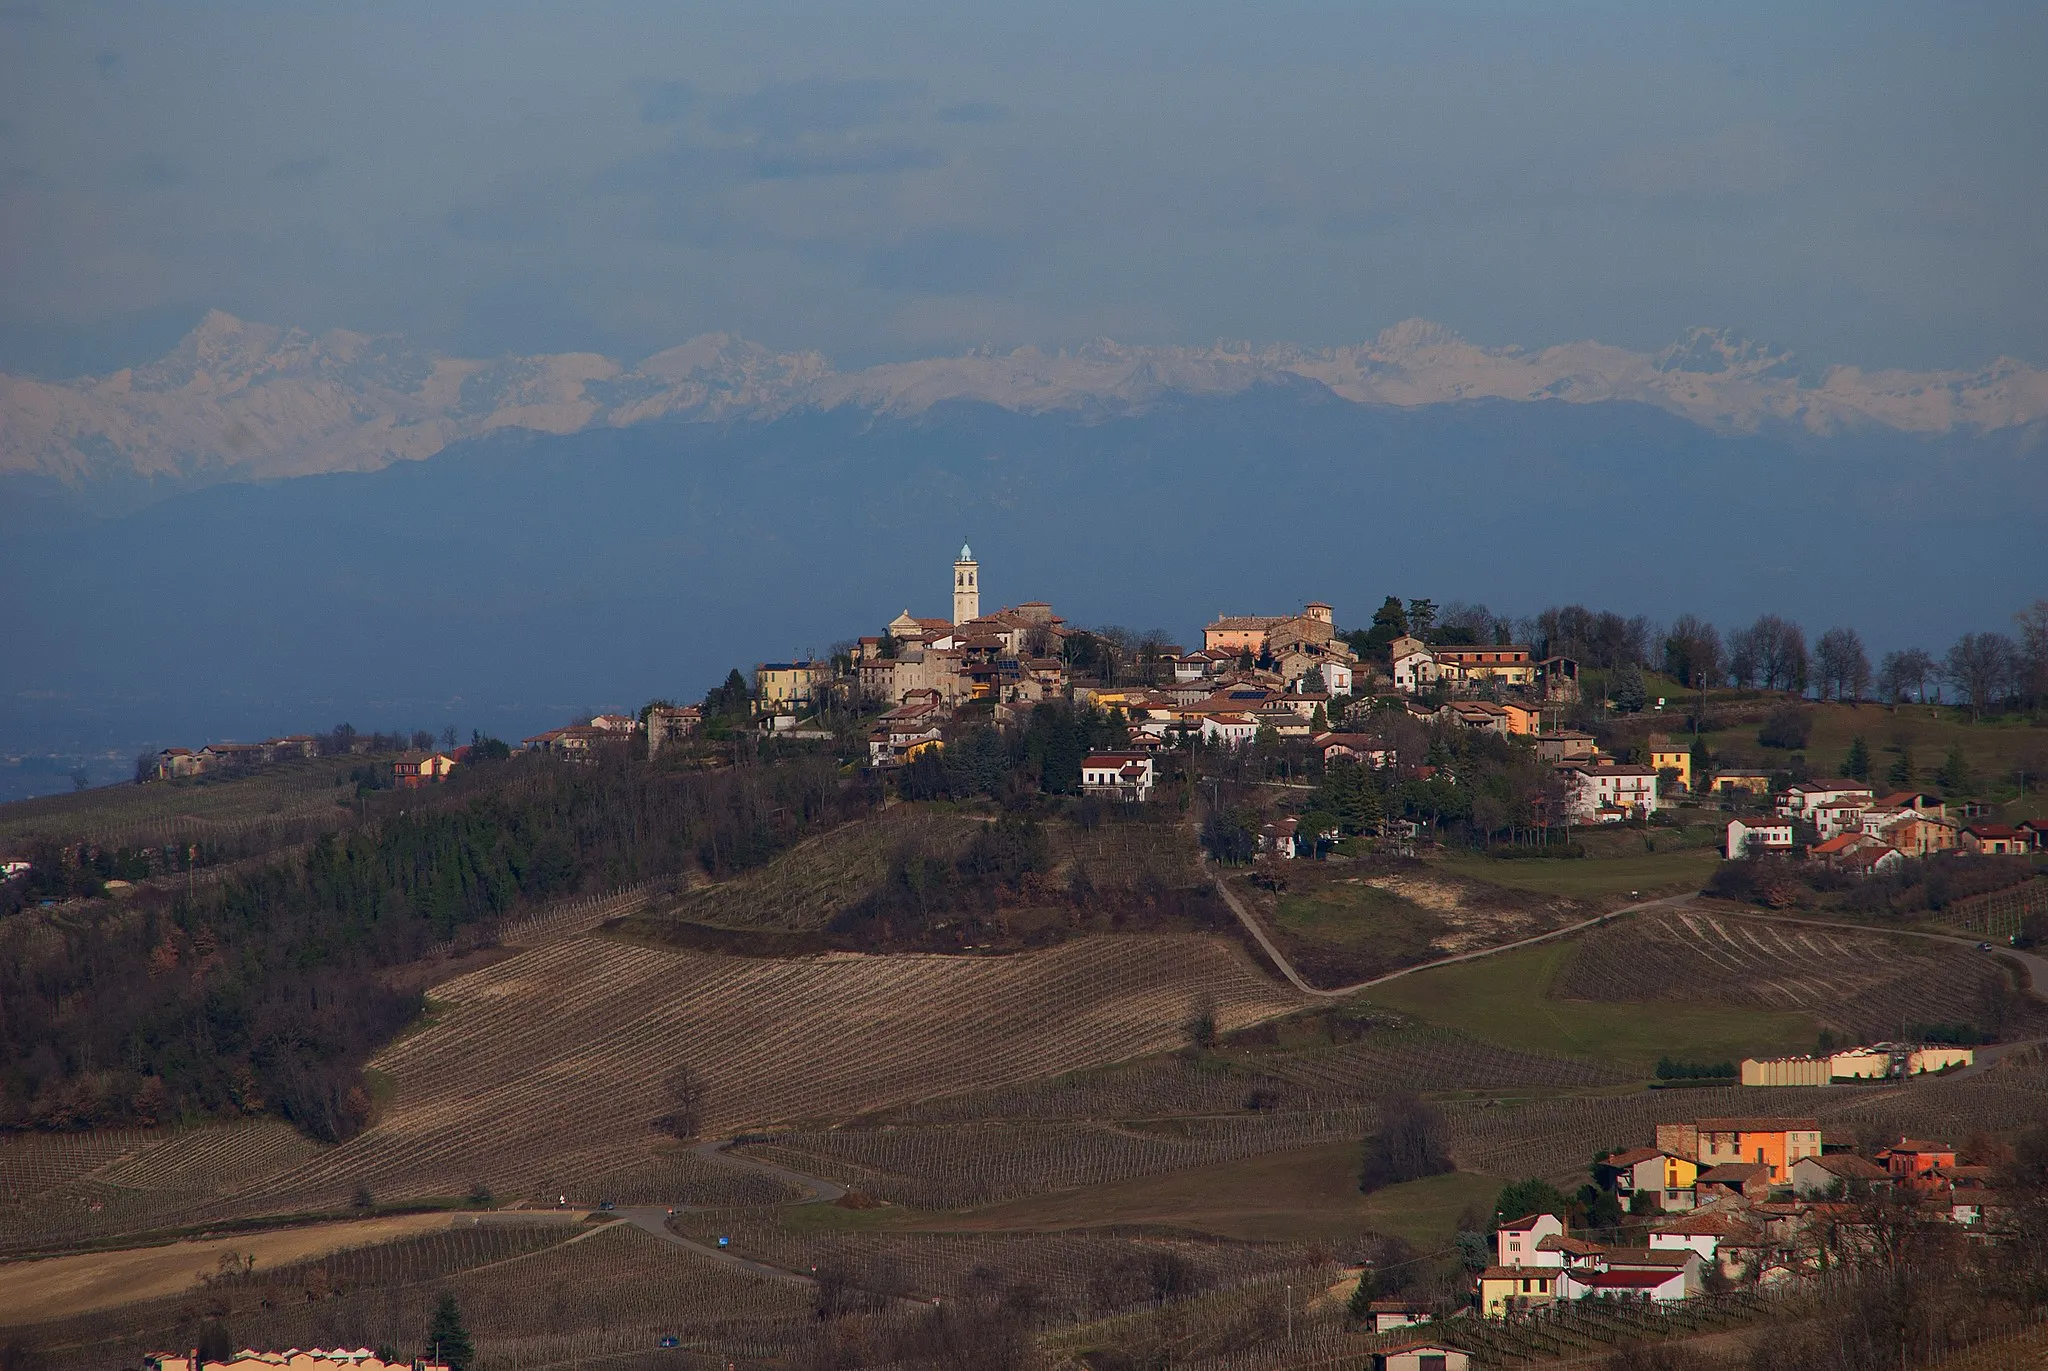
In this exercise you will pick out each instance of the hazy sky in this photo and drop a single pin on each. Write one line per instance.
(1863, 183)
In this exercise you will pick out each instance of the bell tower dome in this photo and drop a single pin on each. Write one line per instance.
(966, 586)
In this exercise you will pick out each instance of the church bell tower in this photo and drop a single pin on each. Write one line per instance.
(966, 586)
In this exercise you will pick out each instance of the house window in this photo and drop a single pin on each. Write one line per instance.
(1432, 1361)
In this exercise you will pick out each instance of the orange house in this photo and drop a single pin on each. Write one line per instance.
(1915, 1161)
(1772, 1143)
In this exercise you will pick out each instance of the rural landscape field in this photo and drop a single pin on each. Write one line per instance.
(912, 1079)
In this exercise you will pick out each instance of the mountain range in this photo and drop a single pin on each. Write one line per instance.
(246, 401)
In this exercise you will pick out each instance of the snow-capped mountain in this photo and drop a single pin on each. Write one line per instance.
(240, 401)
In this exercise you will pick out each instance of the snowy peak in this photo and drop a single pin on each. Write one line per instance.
(236, 400)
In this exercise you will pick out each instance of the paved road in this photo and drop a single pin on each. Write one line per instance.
(653, 1219)
(1258, 932)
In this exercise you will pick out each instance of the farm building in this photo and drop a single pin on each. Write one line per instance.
(1422, 1356)
(1389, 1314)
(1787, 1070)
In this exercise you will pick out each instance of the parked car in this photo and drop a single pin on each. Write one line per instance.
(671, 1342)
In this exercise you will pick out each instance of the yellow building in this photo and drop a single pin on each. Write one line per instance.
(785, 685)
(1503, 1289)
(1754, 782)
(1675, 755)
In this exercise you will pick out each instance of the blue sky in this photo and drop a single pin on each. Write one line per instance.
(1862, 183)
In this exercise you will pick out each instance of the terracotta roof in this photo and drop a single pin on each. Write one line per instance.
(1751, 1124)
(1992, 831)
(1850, 1167)
(1504, 1273)
(1525, 1223)
(1734, 1173)
(1635, 1156)
(1623, 1280)
(1705, 1225)
(1626, 1257)
(1577, 1247)
(1905, 1145)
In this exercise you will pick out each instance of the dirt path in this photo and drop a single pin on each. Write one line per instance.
(79, 1283)
(1294, 978)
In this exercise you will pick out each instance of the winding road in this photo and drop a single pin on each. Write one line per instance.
(1294, 978)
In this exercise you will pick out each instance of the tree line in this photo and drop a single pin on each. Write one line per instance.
(260, 993)
(1983, 671)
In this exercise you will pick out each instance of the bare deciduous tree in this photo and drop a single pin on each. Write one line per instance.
(1980, 666)
(687, 1096)
(1842, 665)
(1904, 673)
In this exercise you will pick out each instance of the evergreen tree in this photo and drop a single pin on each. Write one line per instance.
(1360, 1307)
(1389, 621)
(1519, 1199)
(1319, 722)
(1902, 769)
(1702, 762)
(447, 1339)
(1856, 765)
(1629, 693)
(1955, 772)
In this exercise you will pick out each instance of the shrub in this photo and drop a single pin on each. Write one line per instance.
(1788, 727)
(1409, 1145)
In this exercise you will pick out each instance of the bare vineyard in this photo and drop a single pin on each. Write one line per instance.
(1998, 915)
(549, 1066)
(59, 1188)
(617, 1291)
(1071, 1275)
(961, 1165)
(289, 803)
(1406, 1060)
(1863, 985)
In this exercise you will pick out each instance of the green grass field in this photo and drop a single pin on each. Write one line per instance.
(1994, 748)
(1356, 917)
(1506, 1000)
(1653, 873)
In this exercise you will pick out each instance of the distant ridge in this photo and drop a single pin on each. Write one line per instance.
(246, 401)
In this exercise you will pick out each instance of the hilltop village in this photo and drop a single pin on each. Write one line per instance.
(1270, 680)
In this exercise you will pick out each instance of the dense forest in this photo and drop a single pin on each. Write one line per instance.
(260, 991)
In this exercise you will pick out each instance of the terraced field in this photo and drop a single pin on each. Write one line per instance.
(1864, 986)
(548, 1067)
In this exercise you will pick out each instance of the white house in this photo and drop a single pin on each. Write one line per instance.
(1797, 800)
(1519, 1241)
(1228, 730)
(1605, 794)
(1757, 835)
(1121, 775)
(1415, 666)
(1663, 1286)
(1844, 815)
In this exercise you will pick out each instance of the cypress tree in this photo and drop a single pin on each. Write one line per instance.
(1856, 765)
